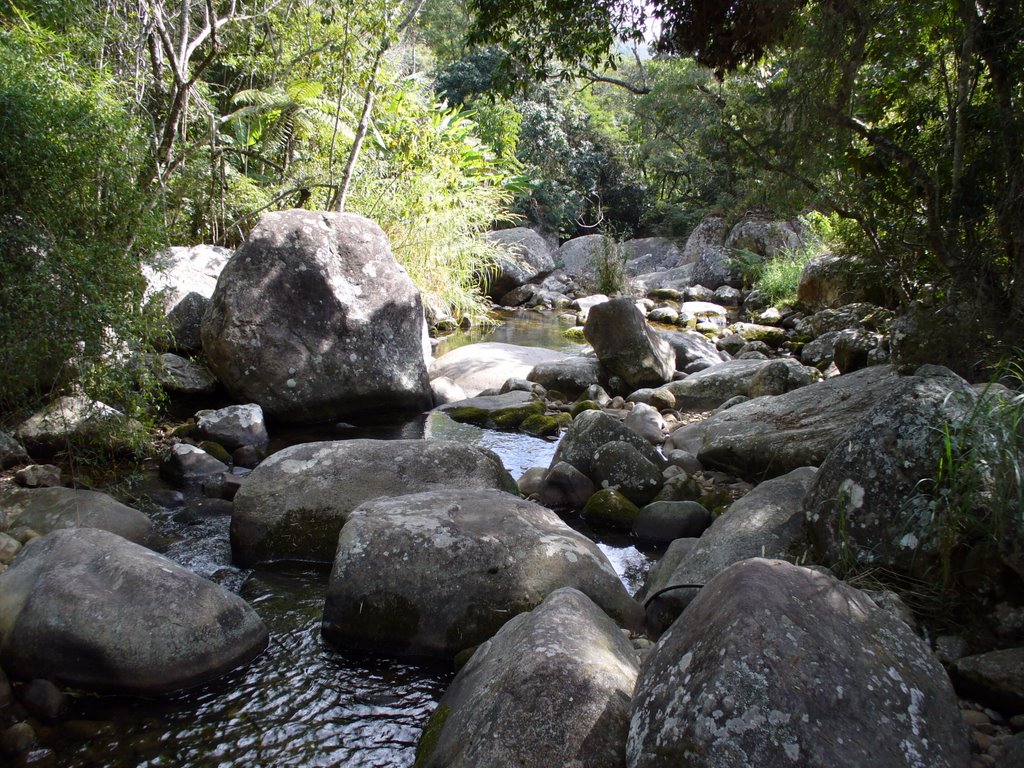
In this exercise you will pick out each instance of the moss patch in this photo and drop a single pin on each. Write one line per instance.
(584, 405)
(541, 425)
(431, 735)
(610, 509)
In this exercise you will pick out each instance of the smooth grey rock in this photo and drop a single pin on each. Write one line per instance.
(503, 411)
(752, 378)
(767, 668)
(674, 279)
(592, 429)
(711, 232)
(488, 365)
(446, 391)
(627, 346)
(769, 334)
(714, 268)
(565, 487)
(765, 238)
(185, 322)
(621, 466)
(437, 572)
(866, 506)
(9, 547)
(294, 504)
(691, 347)
(647, 422)
(44, 700)
(188, 465)
(313, 319)
(526, 257)
(181, 280)
(728, 296)
(50, 509)
(666, 315)
(80, 607)
(831, 280)
(579, 255)
(531, 482)
(570, 376)
(69, 418)
(234, 426)
(767, 522)
(38, 476)
(660, 575)
(769, 436)
(697, 312)
(846, 316)
(1012, 755)
(552, 688)
(853, 347)
(12, 452)
(650, 254)
(684, 460)
(664, 521)
(820, 352)
(183, 377)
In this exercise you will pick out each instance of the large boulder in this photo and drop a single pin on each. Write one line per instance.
(749, 378)
(552, 688)
(579, 255)
(770, 436)
(714, 268)
(767, 522)
(650, 254)
(488, 365)
(774, 665)
(181, 280)
(832, 280)
(710, 233)
(627, 346)
(295, 502)
(313, 319)
(91, 610)
(867, 504)
(435, 573)
(526, 257)
(768, 239)
(50, 509)
(691, 347)
(592, 429)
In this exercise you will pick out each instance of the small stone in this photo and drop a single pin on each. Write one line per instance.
(1017, 723)
(981, 740)
(20, 737)
(974, 718)
(44, 700)
(9, 547)
(247, 456)
(38, 476)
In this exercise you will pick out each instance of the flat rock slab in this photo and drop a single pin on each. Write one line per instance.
(505, 411)
(552, 688)
(293, 505)
(995, 678)
(89, 609)
(770, 436)
(49, 509)
(438, 572)
(476, 367)
(775, 665)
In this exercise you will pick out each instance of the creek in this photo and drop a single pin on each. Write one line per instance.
(302, 702)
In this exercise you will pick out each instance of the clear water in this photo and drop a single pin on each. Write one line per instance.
(526, 327)
(302, 703)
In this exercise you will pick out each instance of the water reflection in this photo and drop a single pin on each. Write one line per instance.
(526, 327)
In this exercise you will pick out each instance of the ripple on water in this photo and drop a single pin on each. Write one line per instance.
(299, 704)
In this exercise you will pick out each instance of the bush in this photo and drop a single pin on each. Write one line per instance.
(71, 226)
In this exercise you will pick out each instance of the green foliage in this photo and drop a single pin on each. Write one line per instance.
(72, 225)
(977, 495)
(434, 187)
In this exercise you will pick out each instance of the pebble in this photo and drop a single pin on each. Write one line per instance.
(20, 737)
(974, 718)
(43, 699)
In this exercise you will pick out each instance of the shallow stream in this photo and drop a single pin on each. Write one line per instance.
(302, 702)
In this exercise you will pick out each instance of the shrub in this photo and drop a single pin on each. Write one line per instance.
(72, 226)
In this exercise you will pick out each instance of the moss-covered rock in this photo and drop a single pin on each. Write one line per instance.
(610, 509)
(215, 449)
(541, 425)
(575, 334)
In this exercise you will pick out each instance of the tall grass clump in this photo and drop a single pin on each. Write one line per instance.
(436, 188)
(978, 492)
(778, 279)
(609, 263)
